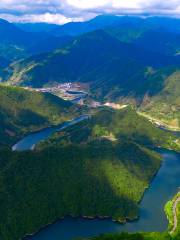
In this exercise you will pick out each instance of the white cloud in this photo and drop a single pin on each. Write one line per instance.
(61, 11)
(46, 17)
(124, 4)
(82, 4)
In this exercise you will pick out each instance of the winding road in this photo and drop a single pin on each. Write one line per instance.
(175, 204)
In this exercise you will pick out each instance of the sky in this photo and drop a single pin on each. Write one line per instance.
(63, 11)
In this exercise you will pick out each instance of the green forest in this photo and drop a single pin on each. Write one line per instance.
(23, 111)
(100, 167)
(122, 73)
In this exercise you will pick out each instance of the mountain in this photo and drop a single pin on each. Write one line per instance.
(3, 63)
(23, 111)
(49, 44)
(77, 28)
(100, 167)
(114, 71)
(152, 39)
(11, 34)
(160, 41)
(171, 24)
(18, 43)
(14, 42)
(84, 59)
(22, 40)
(105, 21)
(165, 105)
(36, 27)
(152, 33)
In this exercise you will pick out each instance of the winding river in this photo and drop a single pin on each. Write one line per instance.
(152, 217)
(29, 142)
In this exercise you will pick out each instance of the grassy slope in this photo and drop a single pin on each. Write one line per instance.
(92, 175)
(165, 106)
(23, 111)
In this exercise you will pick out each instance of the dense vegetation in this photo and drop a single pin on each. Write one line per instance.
(61, 66)
(98, 179)
(166, 104)
(15, 43)
(122, 125)
(120, 66)
(23, 111)
(149, 37)
(99, 168)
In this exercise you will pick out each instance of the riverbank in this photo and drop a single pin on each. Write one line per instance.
(172, 213)
(30, 140)
(173, 234)
(113, 173)
(150, 206)
(175, 205)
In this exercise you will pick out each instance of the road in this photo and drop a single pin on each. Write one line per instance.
(175, 204)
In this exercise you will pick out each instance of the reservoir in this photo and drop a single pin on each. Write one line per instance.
(152, 217)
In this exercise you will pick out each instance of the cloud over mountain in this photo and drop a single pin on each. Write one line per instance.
(61, 11)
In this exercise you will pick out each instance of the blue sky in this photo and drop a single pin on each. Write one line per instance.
(63, 11)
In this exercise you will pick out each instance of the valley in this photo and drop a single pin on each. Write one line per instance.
(84, 146)
(118, 73)
(89, 129)
(67, 91)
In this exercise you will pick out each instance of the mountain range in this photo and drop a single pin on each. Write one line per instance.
(129, 67)
(121, 59)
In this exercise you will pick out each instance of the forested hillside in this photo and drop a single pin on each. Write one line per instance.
(101, 166)
(165, 105)
(113, 70)
(23, 111)
(86, 56)
(93, 169)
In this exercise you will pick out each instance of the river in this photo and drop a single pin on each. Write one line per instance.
(29, 142)
(152, 216)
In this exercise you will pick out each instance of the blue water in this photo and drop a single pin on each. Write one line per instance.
(152, 216)
(76, 92)
(29, 142)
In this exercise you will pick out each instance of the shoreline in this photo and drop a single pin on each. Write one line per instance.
(91, 218)
(55, 127)
(102, 218)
